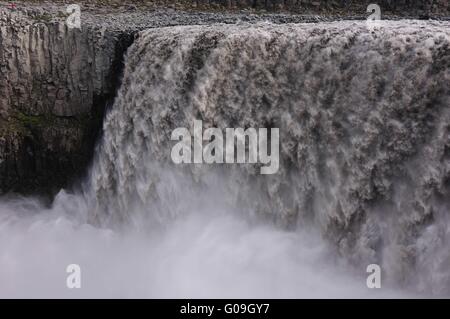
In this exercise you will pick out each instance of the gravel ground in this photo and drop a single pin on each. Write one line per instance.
(132, 18)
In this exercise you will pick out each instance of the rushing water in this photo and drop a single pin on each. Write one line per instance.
(364, 176)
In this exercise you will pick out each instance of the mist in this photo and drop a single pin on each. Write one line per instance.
(202, 254)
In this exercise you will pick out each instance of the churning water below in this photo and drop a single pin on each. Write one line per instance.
(201, 255)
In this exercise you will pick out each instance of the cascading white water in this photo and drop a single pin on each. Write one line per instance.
(364, 137)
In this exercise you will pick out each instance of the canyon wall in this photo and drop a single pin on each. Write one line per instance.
(54, 85)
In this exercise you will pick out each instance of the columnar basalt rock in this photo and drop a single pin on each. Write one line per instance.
(54, 86)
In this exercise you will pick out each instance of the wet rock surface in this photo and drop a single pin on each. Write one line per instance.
(55, 83)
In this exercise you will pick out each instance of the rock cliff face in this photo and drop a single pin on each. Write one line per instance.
(55, 83)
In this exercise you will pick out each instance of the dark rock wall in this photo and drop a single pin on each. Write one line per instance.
(54, 85)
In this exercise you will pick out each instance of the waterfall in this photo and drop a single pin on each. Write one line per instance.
(364, 133)
(364, 122)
